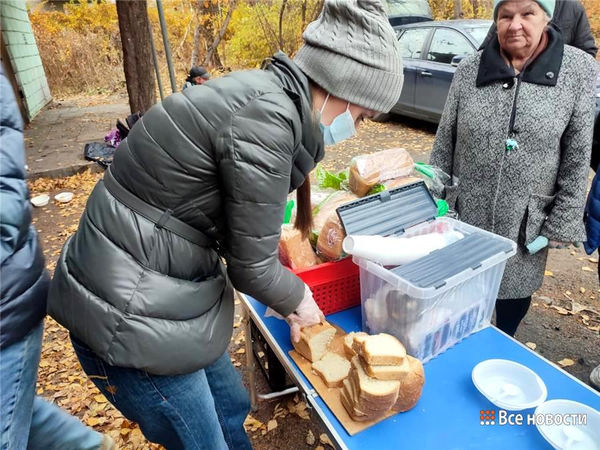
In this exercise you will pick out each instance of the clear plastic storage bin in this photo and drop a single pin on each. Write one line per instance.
(434, 302)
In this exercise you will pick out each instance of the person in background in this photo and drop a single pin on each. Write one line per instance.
(592, 220)
(571, 20)
(26, 420)
(198, 75)
(515, 136)
(205, 175)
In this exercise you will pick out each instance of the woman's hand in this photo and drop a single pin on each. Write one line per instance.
(558, 244)
(307, 313)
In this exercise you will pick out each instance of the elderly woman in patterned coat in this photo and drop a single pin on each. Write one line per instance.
(516, 135)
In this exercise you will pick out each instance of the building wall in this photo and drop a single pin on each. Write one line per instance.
(19, 42)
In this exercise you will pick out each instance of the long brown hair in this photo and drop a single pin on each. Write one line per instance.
(304, 219)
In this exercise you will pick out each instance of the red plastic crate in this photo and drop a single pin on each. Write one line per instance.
(335, 285)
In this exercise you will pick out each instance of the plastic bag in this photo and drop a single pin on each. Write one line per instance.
(100, 152)
(366, 171)
(434, 177)
(330, 180)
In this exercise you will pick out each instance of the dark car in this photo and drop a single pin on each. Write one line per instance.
(402, 12)
(431, 52)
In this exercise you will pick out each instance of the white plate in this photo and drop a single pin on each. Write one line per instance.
(40, 200)
(64, 197)
(572, 435)
(509, 385)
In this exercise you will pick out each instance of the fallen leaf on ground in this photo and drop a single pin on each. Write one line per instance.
(310, 438)
(576, 307)
(531, 345)
(271, 425)
(593, 260)
(548, 273)
(325, 440)
(100, 398)
(241, 351)
(587, 269)
(582, 290)
(566, 362)
(561, 310)
(567, 293)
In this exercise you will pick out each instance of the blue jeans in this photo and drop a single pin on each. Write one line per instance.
(27, 421)
(200, 410)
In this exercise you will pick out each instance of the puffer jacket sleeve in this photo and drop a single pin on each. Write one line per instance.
(14, 207)
(442, 154)
(255, 155)
(564, 223)
(582, 34)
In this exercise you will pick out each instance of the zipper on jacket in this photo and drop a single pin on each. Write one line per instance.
(511, 126)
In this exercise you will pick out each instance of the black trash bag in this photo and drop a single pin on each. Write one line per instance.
(99, 152)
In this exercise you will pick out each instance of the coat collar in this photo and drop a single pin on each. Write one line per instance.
(543, 70)
(296, 86)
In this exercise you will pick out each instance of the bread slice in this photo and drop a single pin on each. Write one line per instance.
(381, 350)
(349, 341)
(355, 413)
(387, 372)
(314, 341)
(332, 368)
(377, 391)
(358, 341)
(411, 387)
(361, 403)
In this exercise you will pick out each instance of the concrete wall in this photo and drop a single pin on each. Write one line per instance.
(19, 42)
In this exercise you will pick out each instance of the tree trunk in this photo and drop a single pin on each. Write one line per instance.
(475, 4)
(303, 14)
(457, 9)
(134, 27)
(211, 52)
(281, 12)
(195, 47)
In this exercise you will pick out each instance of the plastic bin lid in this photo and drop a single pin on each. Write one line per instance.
(468, 253)
(388, 212)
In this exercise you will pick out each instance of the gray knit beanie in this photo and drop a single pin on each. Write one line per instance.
(351, 51)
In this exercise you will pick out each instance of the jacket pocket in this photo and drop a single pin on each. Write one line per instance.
(452, 196)
(538, 208)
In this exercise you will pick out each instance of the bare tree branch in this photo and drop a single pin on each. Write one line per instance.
(281, 12)
(219, 37)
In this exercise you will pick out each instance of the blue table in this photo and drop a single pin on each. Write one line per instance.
(448, 413)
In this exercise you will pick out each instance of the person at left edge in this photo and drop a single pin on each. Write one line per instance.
(205, 173)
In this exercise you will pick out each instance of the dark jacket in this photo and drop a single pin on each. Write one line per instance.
(223, 158)
(592, 209)
(572, 21)
(537, 189)
(23, 279)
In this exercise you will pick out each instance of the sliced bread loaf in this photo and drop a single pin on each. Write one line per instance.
(411, 386)
(314, 341)
(349, 341)
(372, 389)
(396, 372)
(380, 349)
(332, 368)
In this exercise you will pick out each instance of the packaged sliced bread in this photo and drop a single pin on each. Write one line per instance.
(411, 386)
(294, 251)
(326, 208)
(332, 368)
(331, 237)
(368, 170)
(314, 341)
(380, 349)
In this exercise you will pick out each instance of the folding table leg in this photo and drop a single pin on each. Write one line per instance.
(250, 361)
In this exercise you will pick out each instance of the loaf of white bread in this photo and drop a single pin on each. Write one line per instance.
(379, 377)
(382, 377)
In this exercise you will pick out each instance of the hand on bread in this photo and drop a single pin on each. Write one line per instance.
(307, 313)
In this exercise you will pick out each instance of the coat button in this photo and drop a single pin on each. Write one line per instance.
(549, 75)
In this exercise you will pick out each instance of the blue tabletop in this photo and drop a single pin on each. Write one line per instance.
(448, 413)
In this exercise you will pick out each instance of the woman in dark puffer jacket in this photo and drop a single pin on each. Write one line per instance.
(205, 174)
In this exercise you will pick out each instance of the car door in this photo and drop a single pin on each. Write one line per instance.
(434, 76)
(412, 43)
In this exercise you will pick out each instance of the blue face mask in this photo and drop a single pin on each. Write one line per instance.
(341, 128)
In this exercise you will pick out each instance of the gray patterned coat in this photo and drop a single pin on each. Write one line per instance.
(538, 188)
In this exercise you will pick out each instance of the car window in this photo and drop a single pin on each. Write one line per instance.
(446, 44)
(478, 33)
(411, 42)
